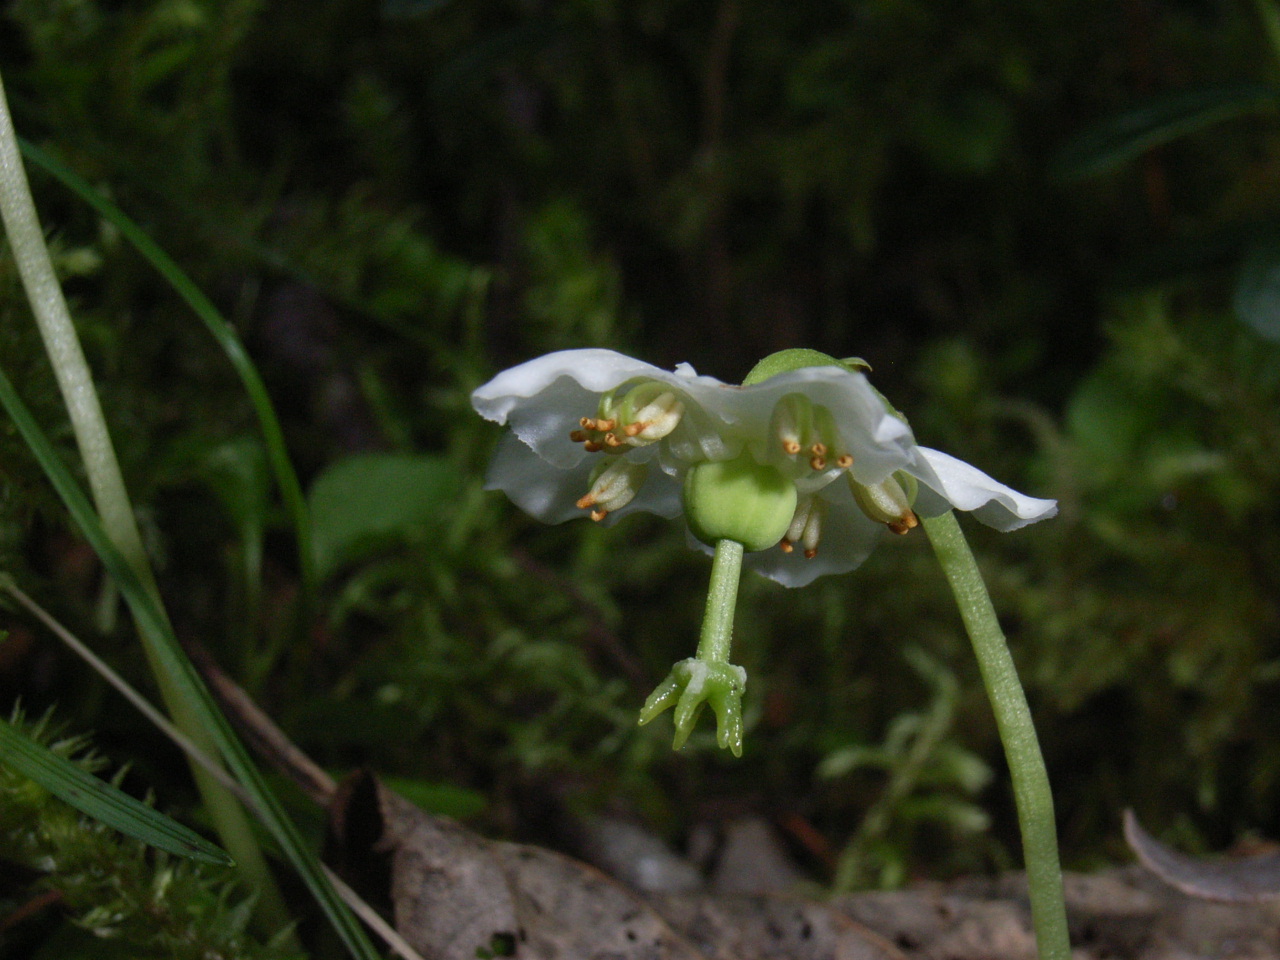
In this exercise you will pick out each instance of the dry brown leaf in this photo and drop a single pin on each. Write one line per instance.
(768, 927)
(457, 896)
(1246, 880)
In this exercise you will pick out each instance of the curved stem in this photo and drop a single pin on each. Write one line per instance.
(26, 241)
(1013, 718)
(722, 597)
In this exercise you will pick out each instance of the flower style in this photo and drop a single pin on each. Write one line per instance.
(805, 465)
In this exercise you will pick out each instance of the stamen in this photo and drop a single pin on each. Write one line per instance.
(887, 502)
(791, 422)
(844, 461)
(605, 424)
(818, 449)
(592, 447)
(813, 530)
(578, 436)
(909, 521)
(611, 440)
(806, 527)
(613, 486)
(818, 462)
(631, 429)
(587, 423)
(656, 419)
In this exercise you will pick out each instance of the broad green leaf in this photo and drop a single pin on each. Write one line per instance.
(368, 498)
(100, 800)
(1257, 293)
(443, 799)
(1126, 135)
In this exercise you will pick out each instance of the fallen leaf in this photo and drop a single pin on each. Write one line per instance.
(767, 927)
(1247, 880)
(456, 896)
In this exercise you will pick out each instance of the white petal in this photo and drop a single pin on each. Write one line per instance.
(550, 494)
(879, 442)
(544, 398)
(594, 370)
(956, 484)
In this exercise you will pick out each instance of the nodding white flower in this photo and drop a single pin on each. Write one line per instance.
(599, 434)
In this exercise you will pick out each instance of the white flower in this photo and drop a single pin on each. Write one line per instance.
(594, 432)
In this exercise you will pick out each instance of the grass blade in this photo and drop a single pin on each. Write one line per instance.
(101, 801)
(148, 615)
(223, 333)
(1127, 134)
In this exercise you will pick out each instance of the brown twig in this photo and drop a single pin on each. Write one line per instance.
(29, 909)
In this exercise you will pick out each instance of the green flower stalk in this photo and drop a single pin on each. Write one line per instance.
(708, 677)
(805, 453)
(1031, 792)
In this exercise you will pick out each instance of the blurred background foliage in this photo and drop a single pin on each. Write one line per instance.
(394, 199)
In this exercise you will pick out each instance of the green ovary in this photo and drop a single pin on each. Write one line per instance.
(741, 500)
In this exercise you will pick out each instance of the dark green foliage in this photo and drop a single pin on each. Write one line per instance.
(1157, 606)
(391, 201)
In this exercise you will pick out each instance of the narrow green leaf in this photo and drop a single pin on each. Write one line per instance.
(223, 333)
(1127, 134)
(149, 617)
(100, 800)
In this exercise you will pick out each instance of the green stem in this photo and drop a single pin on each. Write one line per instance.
(1013, 718)
(26, 241)
(722, 597)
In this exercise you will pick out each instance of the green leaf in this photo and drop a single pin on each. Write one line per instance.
(363, 500)
(1124, 136)
(100, 800)
(444, 799)
(1257, 293)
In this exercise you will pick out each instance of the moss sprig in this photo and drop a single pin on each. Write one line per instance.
(116, 889)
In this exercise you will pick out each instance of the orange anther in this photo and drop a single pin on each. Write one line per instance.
(908, 522)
